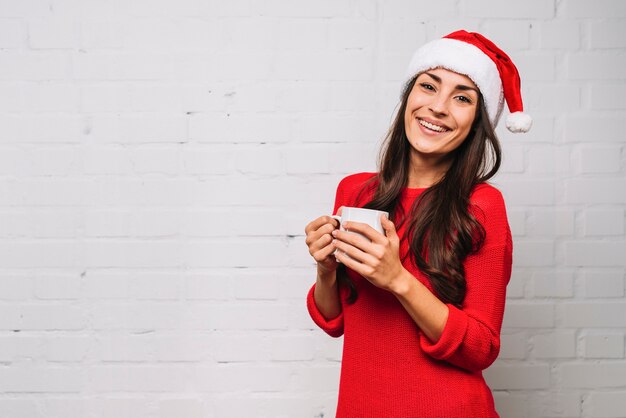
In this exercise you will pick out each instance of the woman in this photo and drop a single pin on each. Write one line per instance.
(421, 306)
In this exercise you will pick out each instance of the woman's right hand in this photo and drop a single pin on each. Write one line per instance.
(319, 240)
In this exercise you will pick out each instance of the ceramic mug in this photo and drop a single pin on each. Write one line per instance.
(366, 216)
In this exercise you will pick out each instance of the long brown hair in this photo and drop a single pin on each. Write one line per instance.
(441, 229)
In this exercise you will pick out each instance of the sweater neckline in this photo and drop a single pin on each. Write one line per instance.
(412, 191)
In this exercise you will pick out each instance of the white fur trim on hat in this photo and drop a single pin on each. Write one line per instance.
(518, 122)
(463, 58)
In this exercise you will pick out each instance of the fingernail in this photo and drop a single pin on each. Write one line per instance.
(334, 233)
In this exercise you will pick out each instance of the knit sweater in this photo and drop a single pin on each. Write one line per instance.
(390, 368)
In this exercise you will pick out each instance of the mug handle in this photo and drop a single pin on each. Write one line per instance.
(337, 217)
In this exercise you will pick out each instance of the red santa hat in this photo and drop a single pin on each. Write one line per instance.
(492, 71)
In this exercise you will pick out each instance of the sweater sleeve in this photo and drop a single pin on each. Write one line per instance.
(471, 336)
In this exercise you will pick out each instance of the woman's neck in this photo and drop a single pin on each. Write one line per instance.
(426, 172)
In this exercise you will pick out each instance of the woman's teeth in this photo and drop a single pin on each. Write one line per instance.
(432, 127)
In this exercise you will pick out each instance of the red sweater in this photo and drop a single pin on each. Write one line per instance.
(390, 369)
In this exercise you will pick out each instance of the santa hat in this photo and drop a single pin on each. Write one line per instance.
(492, 71)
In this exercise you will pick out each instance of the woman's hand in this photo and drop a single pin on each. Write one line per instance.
(379, 260)
(319, 241)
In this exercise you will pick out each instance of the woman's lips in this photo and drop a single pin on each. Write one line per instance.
(432, 127)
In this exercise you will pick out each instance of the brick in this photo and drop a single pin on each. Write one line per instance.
(513, 159)
(527, 192)
(120, 405)
(584, 66)
(511, 405)
(535, 66)
(595, 190)
(66, 286)
(39, 253)
(302, 34)
(53, 33)
(595, 253)
(256, 284)
(551, 222)
(420, 9)
(515, 288)
(233, 128)
(559, 35)
(12, 33)
(148, 192)
(587, 10)
(157, 286)
(603, 345)
(140, 317)
(529, 315)
(106, 285)
(316, 377)
(604, 284)
(510, 35)
(154, 254)
(593, 314)
(534, 253)
(402, 35)
(241, 316)
(181, 348)
(30, 66)
(37, 129)
(17, 346)
(284, 8)
(594, 159)
(513, 346)
(190, 408)
(603, 222)
(102, 33)
(607, 374)
(553, 405)
(124, 348)
(139, 378)
(171, 34)
(67, 348)
(606, 96)
(227, 347)
(517, 222)
(65, 406)
(606, 404)
(547, 97)
(10, 94)
(352, 34)
(213, 285)
(559, 345)
(20, 408)
(226, 378)
(156, 160)
(292, 347)
(300, 96)
(518, 377)
(559, 284)
(345, 65)
(606, 34)
(228, 253)
(37, 379)
(308, 158)
(603, 129)
(28, 8)
(15, 286)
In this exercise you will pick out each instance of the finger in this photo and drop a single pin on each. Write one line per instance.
(325, 252)
(388, 226)
(363, 228)
(351, 263)
(319, 242)
(314, 235)
(354, 253)
(340, 210)
(317, 223)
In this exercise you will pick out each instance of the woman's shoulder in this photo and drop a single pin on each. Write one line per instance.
(486, 195)
(356, 179)
(354, 188)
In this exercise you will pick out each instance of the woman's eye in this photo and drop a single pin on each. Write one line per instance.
(427, 86)
(464, 99)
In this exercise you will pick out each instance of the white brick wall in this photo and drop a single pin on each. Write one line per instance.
(160, 159)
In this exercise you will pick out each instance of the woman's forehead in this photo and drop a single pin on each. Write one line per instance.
(450, 76)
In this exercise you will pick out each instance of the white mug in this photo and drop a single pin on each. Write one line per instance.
(367, 216)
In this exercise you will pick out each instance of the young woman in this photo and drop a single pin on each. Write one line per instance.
(420, 306)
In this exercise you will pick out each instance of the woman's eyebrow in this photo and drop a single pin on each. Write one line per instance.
(462, 87)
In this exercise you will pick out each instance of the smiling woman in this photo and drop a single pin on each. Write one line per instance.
(421, 305)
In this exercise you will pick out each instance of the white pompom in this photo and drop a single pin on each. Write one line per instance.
(519, 122)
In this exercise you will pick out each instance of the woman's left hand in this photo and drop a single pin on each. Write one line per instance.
(379, 260)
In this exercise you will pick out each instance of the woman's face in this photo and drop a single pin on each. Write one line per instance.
(440, 111)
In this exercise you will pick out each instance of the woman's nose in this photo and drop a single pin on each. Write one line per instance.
(439, 104)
